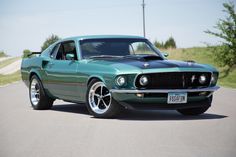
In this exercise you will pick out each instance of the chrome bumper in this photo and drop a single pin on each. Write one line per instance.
(134, 91)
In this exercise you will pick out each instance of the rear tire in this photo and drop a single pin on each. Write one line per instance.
(99, 100)
(197, 110)
(38, 98)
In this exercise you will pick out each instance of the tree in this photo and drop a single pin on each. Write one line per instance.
(26, 52)
(225, 54)
(50, 40)
(3, 54)
(158, 44)
(170, 43)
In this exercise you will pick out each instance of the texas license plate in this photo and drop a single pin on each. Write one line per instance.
(177, 98)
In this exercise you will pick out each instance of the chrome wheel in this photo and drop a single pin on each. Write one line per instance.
(35, 92)
(99, 98)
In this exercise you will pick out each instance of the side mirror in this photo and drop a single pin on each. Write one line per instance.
(45, 61)
(70, 56)
(165, 54)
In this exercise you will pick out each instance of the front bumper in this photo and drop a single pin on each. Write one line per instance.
(157, 98)
(135, 91)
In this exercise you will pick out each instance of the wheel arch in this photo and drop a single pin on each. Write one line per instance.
(95, 77)
(36, 73)
(33, 72)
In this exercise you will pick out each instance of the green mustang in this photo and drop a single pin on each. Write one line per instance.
(109, 73)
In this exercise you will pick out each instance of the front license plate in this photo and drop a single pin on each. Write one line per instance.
(177, 98)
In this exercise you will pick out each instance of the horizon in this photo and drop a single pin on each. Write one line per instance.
(26, 24)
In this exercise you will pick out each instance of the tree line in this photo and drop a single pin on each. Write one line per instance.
(169, 43)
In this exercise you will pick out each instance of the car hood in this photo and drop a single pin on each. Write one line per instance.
(129, 64)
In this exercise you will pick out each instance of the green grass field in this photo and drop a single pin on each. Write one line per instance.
(6, 79)
(203, 55)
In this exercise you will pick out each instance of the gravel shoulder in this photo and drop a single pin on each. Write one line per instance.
(11, 68)
(4, 58)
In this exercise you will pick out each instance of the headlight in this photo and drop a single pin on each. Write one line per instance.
(143, 80)
(120, 81)
(202, 79)
(214, 78)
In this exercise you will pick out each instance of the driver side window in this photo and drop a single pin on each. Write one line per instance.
(65, 48)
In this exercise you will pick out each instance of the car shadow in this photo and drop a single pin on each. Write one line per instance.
(72, 108)
(164, 115)
(137, 115)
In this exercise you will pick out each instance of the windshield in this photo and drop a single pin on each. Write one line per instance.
(116, 47)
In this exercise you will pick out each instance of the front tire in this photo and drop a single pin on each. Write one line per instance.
(197, 110)
(99, 100)
(38, 98)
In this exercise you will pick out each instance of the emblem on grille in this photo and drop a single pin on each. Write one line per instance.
(193, 78)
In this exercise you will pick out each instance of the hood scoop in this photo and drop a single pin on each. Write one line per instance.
(144, 57)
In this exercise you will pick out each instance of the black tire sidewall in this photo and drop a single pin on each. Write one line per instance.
(113, 109)
(45, 102)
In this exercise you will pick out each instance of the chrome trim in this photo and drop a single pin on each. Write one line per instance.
(134, 91)
(181, 71)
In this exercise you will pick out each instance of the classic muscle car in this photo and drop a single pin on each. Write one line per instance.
(109, 73)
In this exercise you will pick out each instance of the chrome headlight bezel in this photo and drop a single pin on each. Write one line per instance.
(144, 80)
(121, 81)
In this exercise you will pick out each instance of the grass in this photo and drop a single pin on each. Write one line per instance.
(6, 79)
(205, 56)
(8, 61)
(2, 54)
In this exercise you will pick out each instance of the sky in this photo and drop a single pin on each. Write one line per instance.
(25, 24)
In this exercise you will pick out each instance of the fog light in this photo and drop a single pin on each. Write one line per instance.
(139, 95)
(202, 93)
(120, 81)
(143, 80)
(202, 79)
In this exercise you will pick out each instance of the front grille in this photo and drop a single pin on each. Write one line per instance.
(175, 80)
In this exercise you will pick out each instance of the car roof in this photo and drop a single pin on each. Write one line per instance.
(102, 37)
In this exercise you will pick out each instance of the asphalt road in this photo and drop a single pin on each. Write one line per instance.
(68, 130)
(11, 68)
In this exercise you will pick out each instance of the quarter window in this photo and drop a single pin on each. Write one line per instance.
(53, 53)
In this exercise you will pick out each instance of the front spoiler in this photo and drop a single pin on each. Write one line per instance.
(135, 91)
